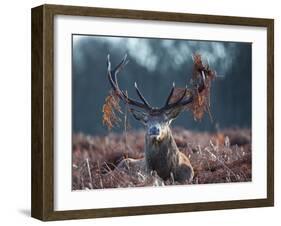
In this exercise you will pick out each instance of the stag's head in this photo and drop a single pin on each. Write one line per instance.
(157, 124)
(156, 120)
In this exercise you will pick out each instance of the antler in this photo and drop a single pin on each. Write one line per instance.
(120, 93)
(180, 102)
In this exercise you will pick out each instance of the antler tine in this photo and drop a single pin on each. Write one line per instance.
(202, 85)
(119, 67)
(141, 96)
(170, 95)
(179, 101)
(114, 83)
(182, 96)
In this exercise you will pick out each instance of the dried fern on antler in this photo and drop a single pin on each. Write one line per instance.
(201, 101)
(111, 110)
(201, 98)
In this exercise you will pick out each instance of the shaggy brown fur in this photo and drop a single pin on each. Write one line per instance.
(164, 157)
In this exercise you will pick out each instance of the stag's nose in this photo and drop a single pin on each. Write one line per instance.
(154, 131)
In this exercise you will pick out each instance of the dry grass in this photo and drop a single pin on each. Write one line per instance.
(216, 158)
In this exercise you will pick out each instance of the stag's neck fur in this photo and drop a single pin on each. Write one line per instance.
(162, 155)
(162, 144)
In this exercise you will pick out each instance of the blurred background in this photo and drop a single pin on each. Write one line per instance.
(154, 65)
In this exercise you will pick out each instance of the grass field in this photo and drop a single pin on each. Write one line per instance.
(216, 158)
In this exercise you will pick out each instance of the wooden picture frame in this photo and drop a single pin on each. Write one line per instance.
(42, 203)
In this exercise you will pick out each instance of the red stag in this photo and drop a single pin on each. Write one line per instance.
(161, 152)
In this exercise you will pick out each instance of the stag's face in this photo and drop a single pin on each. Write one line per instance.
(157, 125)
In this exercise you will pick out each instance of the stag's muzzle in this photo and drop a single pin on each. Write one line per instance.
(154, 130)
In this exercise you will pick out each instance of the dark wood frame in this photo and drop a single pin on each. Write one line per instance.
(42, 201)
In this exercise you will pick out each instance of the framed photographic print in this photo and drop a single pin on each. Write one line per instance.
(141, 112)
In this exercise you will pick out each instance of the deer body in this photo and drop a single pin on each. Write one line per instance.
(164, 157)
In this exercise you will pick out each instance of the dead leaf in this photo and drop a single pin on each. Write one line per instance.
(111, 109)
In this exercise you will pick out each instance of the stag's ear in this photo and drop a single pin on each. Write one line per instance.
(173, 113)
(140, 116)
